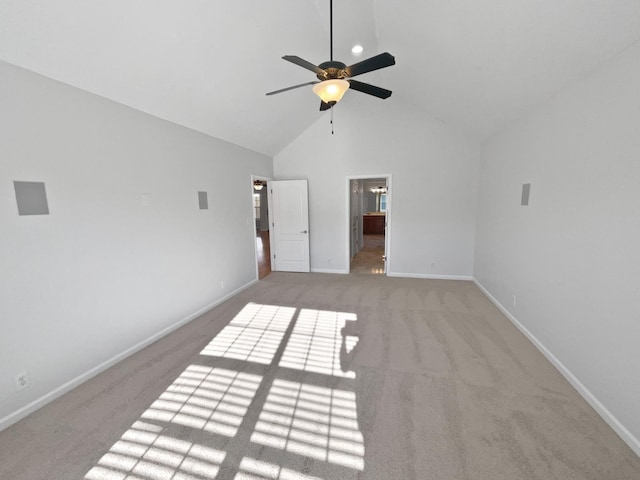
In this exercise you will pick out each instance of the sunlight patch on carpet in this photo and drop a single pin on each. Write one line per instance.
(253, 335)
(251, 469)
(144, 452)
(316, 422)
(318, 343)
(205, 398)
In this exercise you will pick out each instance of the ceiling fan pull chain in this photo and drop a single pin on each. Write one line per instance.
(331, 119)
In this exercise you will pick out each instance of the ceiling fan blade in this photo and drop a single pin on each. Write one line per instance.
(304, 64)
(370, 89)
(370, 64)
(324, 106)
(291, 88)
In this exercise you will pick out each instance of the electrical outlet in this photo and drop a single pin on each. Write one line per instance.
(222, 284)
(22, 381)
(514, 300)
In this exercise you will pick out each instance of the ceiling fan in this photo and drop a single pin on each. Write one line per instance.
(334, 78)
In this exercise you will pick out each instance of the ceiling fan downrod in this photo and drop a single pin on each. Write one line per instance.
(331, 30)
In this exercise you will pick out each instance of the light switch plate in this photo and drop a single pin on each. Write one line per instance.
(203, 201)
(526, 189)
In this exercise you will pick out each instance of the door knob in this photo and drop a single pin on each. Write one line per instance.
(303, 231)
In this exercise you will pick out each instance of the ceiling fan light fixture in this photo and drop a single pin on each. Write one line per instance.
(331, 90)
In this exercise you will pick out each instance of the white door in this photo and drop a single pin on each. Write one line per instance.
(289, 215)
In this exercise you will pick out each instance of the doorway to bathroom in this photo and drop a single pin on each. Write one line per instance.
(369, 212)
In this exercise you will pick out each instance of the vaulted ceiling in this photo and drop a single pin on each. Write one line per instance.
(477, 65)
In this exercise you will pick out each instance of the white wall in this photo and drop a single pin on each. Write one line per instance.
(434, 171)
(102, 273)
(572, 257)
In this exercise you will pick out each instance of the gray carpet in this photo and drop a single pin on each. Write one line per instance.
(315, 376)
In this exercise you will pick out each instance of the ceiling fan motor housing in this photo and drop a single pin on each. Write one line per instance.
(332, 70)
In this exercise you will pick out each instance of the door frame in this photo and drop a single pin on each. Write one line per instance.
(253, 224)
(387, 231)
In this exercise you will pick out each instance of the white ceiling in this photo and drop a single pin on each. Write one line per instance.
(474, 64)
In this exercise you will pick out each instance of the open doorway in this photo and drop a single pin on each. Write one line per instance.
(369, 202)
(261, 222)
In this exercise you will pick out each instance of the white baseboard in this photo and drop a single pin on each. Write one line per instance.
(429, 276)
(402, 275)
(591, 399)
(22, 412)
(324, 270)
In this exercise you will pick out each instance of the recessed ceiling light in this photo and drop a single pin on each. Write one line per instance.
(357, 49)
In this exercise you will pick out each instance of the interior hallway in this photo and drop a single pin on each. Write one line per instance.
(370, 258)
(263, 248)
(319, 376)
